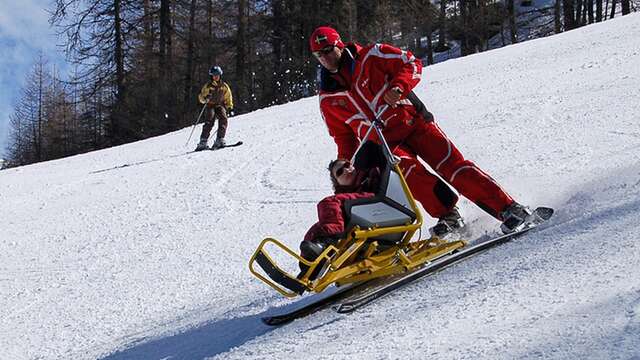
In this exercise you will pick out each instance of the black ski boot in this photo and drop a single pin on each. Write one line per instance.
(513, 216)
(310, 250)
(202, 145)
(449, 223)
(219, 143)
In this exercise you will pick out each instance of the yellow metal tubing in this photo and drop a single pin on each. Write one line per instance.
(303, 281)
(268, 281)
(402, 257)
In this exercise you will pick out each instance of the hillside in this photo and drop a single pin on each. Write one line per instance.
(140, 251)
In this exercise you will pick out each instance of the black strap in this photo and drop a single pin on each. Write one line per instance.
(278, 275)
(419, 105)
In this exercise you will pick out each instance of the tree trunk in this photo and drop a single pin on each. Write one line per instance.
(613, 9)
(513, 29)
(406, 28)
(503, 39)
(585, 5)
(118, 51)
(165, 26)
(148, 34)
(556, 17)
(241, 53)
(37, 130)
(210, 32)
(188, 87)
(578, 14)
(481, 26)
(279, 40)
(626, 7)
(117, 126)
(167, 93)
(429, 46)
(598, 10)
(569, 22)
(442, 24)
(464, 43)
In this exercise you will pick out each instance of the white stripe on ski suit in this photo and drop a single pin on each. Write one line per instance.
(446, 157)
(375, 51)
(359, 116)
(455, 173)
(410, 169)
(453, 177)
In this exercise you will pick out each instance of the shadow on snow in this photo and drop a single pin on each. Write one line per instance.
(209, 339)
(204, 341)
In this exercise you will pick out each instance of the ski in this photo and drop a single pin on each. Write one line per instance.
(311, 307)
(237, 143)
(348, 298)
(539, 216)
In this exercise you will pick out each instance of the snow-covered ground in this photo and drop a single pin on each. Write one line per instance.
(141, 251)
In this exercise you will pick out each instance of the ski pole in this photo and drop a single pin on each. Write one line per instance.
(377, 124)
(196, 123)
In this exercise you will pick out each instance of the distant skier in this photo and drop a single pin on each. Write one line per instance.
(357, 82)
(217, 95)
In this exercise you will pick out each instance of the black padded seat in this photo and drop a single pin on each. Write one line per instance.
(389, 206)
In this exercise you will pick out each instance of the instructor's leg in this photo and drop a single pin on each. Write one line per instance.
(432, 145)
(435, 196)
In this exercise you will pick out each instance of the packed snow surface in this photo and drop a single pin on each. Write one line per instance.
(140, 251)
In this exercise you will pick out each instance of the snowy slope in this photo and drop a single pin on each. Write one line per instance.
(140, 251)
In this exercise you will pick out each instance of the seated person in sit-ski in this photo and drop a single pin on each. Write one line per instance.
(349, 183)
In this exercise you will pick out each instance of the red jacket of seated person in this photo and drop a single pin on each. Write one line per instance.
(331, 221)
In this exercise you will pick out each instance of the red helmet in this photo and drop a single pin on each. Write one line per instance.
(324, 36)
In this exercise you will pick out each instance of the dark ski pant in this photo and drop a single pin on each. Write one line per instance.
(213, 113)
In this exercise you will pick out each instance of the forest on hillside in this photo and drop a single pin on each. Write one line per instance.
(138, 65)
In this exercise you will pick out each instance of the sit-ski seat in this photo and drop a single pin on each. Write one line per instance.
(389, 206)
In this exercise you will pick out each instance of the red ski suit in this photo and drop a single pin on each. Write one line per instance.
(351, 97)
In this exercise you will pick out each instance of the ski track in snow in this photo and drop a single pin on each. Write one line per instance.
(140, 251)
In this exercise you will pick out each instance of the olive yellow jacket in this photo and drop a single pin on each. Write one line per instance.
(219, 92)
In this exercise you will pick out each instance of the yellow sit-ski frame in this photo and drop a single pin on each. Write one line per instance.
(357, 257)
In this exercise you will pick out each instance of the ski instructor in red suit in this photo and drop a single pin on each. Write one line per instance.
(357, 82)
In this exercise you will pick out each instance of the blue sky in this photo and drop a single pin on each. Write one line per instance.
(24, 30)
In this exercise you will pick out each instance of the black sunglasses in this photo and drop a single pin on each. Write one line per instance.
(342, 168)
(324, 51)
